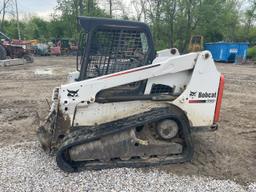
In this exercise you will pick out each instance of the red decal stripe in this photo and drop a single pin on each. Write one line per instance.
(197, 101)
(130, 71)
(219, 99)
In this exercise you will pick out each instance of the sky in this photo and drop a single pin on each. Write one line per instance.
(41, 8)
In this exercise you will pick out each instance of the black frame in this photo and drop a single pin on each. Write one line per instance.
(92, 24)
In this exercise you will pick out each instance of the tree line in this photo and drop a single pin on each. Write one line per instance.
(172, 22)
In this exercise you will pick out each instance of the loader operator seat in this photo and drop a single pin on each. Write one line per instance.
(113, 46)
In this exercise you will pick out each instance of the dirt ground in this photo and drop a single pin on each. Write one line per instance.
(229, 153)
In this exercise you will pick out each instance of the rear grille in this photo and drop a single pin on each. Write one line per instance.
(159, 88)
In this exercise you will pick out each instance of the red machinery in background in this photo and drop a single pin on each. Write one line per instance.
(12, 48)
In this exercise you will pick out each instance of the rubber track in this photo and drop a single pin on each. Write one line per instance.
(82, 135)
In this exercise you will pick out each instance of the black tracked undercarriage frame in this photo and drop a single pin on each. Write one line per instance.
(87, 135)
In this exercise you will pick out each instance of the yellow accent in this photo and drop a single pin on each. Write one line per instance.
(196, 43)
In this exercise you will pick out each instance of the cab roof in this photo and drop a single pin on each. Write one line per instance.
(90, 23)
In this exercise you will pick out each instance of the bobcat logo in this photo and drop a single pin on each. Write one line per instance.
(73, 93)
(192, 94)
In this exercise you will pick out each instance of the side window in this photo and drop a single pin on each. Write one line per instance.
(113, 50)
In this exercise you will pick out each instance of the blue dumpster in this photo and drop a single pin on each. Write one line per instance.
(227, 52)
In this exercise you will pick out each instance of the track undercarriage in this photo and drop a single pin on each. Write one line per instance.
(158, 136)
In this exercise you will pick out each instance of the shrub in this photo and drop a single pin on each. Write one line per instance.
(251, 53)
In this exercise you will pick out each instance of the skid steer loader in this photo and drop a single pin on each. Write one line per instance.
(128, 105)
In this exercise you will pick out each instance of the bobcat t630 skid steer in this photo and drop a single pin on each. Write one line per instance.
(128, 105)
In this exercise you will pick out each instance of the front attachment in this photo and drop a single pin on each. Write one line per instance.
(46, 132)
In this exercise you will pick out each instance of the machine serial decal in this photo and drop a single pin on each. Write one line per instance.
(129, 71)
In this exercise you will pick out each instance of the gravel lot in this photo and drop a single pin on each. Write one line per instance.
(224, 160)
(25, 167)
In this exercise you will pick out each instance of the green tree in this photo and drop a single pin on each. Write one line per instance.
(66, 24)
(36, 28)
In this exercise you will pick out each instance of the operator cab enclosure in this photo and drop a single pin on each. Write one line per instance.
(110, 46)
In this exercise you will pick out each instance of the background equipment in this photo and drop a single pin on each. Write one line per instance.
(11, 48)
(196, 43)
